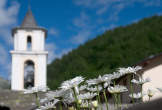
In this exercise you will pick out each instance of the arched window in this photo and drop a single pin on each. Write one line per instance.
(29, 74)
(29, 43)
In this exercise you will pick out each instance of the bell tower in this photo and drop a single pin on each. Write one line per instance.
(29, 58)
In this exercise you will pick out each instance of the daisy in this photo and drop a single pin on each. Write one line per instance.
(70, 84)
(56, 94)
(87, 96)
(83, 87)
(150, 93)
(140, 81)
(99, 80)
(94, 89)
(117, 89)
(49, 105)
(36, 90)
(136, 95)
(129, 70)
(95, 103)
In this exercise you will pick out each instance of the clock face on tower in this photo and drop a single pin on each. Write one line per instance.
(29, 58)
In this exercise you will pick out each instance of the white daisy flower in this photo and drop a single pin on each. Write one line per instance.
(136, 95)
(69, 97)
(82, 87)
(129, 70)
(150, 92)
(84, 104)
(99, 80)
(36, 90)
(49, 105)
(95, 103)
(94, 89)
(116, 75)
(86, 96)
(69, 84)
(140, 81)
(117, 89)
(108, 76)
(56, 94)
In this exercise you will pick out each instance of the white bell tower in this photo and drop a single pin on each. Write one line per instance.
(29, 53)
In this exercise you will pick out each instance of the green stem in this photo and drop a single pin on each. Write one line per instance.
(114, 83)
(98, 95)
(131, 89)
(37, 99)
(105, 97)
(141, 94)
(149, 98)
(76, 99)
(115, 101)
(119, 100)
(89, 105)
(60, 106)
(106, 100)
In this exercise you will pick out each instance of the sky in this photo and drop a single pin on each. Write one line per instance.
(70, 23)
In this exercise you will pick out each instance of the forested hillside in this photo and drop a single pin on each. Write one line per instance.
(123, 46)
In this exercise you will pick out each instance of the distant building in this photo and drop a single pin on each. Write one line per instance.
(29, 58)
(152, 69)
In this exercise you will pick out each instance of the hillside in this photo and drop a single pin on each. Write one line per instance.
(4, 84)
(123, 46)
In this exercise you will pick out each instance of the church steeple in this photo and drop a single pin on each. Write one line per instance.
(29, 57)
(29, 21)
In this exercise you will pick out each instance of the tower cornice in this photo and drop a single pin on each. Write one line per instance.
(14, 30)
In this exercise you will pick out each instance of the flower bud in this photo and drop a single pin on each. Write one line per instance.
(79, 101)
(95, 103)
(71, 108)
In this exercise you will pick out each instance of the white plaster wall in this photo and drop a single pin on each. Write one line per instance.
(38, 40)
(20, 55)
(155, 74)
(16, 77)
(40, 63)
(41, 71)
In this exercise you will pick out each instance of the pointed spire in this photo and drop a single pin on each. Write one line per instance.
(29, 21)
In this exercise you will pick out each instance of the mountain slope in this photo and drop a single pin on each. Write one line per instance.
(123, 46)
(4, 84)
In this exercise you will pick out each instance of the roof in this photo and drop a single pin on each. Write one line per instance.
(29, 20)
(149, 59)
(29, 23)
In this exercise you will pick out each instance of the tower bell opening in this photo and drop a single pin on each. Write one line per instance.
(29, 43)
(29, 74)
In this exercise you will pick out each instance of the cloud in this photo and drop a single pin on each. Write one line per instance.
(8, 14)
(5, 33)
(4, 55)
(8, 18)
(51, 48)
(104, 28)
(114, 7)
(53, 31)
(159, 13)
(52, 52)
(156, 3)
(81, 21)
(84, 27)
(5, 61)
(81, 37)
